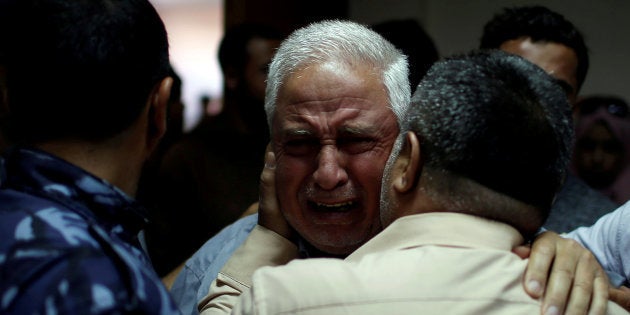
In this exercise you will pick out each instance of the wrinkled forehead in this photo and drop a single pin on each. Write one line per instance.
(326, 101)
(329, 85)
(342, 74)
(335, 117)
(558, 60)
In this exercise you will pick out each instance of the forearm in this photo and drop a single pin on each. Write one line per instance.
(263, 247)
(608, 239)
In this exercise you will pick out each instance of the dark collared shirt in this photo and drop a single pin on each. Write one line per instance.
(68, 243)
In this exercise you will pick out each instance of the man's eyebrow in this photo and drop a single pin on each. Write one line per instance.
(296, 133)
(358, 130)
(344, 130)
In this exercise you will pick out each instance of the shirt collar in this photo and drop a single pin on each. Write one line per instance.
(37, 172)
(442, 229)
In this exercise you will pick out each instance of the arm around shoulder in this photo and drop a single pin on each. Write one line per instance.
(262, 248)
(609, 240)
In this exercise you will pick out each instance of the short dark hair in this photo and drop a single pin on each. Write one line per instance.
(540, 24)
(496, 119)
(233, 47)
(82, 68)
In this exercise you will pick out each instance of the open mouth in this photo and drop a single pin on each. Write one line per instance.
(337, 207)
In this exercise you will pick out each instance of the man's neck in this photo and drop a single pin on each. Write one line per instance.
(105, 161)
(247, 114)
(306, 250)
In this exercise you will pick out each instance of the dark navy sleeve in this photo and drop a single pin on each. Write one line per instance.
(54, 262)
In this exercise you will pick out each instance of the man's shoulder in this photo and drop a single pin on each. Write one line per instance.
(20, 201)
(404, 279)
(54, 254)
(577, 205)
(227, 240)
(203, 266)
(221, 246)
(615, 309)
(25, 217)
(577, 191)
(50, 254)
(34, 228)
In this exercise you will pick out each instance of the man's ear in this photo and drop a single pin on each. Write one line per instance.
(158, 111)
(408, 164)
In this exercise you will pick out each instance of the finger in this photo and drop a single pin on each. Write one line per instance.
(269, 214)
(568, 256)
(601, 294)
(542, 255)
(270, 158)
(267, 198)
(583, 293)
(522, 251)
(621, 296)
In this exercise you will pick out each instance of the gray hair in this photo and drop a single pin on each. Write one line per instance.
(345, 42)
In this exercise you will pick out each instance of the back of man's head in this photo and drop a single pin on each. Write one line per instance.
(82, 69)
(541, 25)
(497, 120)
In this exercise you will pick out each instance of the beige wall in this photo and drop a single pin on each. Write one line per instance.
(194, 29)
(196, 26)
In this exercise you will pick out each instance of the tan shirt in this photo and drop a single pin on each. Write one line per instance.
(431, 263)
(262, 247)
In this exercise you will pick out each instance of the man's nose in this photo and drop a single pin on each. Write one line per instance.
(330, 171)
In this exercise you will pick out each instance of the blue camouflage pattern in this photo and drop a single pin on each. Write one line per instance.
(69, 242)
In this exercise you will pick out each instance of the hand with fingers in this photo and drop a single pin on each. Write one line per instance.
(269, 214)
(566, 275)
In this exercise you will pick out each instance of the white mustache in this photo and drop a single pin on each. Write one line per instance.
(346, 192)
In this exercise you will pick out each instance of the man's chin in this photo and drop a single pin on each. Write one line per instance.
(341, 246)
(337, 252)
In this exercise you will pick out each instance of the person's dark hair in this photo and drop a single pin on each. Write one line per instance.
(83, 68)
(540, 24)
(410, 37)
(498, 120)
(233, 47)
